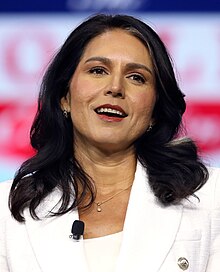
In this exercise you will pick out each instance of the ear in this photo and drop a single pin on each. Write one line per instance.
(65, 102)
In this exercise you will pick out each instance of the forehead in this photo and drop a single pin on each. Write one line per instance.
(116, 43)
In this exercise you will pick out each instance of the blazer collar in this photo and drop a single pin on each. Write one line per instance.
(149, 232)
(53, 248)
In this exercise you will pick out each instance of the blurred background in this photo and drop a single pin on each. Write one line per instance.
(32, 31)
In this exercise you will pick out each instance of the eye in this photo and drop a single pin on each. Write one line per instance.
(137, 78)
(97, 71)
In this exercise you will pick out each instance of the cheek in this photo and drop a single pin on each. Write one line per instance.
(145, 105)
(79, 93)
(82, 91)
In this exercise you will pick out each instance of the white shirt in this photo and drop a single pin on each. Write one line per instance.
(102, 252)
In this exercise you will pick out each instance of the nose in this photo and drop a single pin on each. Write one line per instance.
(115, 87)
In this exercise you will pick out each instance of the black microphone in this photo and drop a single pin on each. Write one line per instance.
(77, 230)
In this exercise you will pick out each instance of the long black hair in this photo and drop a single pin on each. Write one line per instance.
(174, 167)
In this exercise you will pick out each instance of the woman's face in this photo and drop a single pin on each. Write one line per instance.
(112, 92)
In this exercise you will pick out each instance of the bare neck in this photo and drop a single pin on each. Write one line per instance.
(109, 171)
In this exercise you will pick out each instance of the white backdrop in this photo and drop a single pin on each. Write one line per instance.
(28, 43)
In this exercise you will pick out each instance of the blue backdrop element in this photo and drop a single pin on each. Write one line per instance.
(110, 6)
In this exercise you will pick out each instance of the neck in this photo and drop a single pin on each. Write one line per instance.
(109, 171)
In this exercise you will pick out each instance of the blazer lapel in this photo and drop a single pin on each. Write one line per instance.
(50, 241)
(149, 229)
(149, 232)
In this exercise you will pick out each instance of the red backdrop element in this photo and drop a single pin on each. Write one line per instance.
(37, 46)
(202, 121)
(203, 124)
(15, 123)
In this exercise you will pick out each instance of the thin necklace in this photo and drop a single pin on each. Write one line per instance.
(99, 204)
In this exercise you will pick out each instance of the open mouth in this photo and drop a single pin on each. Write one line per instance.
(113, 111)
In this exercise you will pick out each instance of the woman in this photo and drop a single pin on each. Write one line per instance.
(107, 153)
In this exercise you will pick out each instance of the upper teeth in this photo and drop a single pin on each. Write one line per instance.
(109, 110)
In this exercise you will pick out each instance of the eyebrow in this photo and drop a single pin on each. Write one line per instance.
(129, 66)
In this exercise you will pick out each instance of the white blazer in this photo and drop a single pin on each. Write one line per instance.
(184, 237)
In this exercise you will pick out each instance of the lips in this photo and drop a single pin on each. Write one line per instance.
(111, 111)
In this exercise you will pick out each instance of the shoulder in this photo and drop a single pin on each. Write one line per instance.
(214, 180)
(209, 194)
(5, 187)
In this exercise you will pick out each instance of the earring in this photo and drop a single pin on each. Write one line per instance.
(149, 128)
(65, 113)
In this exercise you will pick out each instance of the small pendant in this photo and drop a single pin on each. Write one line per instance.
(99, 209)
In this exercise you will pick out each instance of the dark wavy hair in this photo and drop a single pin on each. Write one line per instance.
(174, 168)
